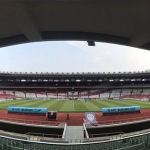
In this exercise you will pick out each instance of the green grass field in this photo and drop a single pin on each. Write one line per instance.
(73, 105)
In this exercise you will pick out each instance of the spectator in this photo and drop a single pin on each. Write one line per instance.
(68, 116)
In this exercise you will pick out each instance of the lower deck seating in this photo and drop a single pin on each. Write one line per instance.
(131, 143)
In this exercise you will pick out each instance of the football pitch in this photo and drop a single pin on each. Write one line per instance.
(73, 105)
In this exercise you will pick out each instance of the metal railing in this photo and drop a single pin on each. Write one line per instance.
(75, 140)
(106, 134)
(50, 123)
(109, 122)
(36, 122)
(42, 135)
(131, 141)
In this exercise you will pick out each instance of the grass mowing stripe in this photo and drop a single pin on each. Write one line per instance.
(67, 106)
(51, 102)
(12, 102)
(138, 101)
(124, 103)
(8, 101)
(53, 106)
(129, 103)
(37, 104)
(73, 104)
(105, 103)
(118, 103)
(111, 103)
(85, 104)
(100, 104)
(19, 103)
(96, 103)
(141, 104)
(31, 103)
(23, 103)
(89, 105)
(47, 103)
(79, 106)
(57, 106)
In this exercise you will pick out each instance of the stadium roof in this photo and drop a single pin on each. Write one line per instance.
(75, 73)
(125, 22)
(56, 77)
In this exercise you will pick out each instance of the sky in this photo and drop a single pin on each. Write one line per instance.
(72, 56)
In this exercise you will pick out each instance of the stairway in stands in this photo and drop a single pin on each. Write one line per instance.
(74, 134)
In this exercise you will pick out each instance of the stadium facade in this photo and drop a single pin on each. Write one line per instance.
(75, 85)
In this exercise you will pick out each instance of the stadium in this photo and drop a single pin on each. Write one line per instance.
(76, 94)
(78, 110)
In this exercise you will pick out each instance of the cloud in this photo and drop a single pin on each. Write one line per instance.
(95, 60)
(111, 57)
(73, 56)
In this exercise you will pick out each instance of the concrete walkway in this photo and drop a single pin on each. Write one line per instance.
(74, 134)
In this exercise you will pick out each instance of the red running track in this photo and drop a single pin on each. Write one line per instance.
(76, 119)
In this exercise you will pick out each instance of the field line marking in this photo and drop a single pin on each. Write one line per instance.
(73, 104)
(98, 114)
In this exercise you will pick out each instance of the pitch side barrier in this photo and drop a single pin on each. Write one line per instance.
(118, 110)
(27, 110)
